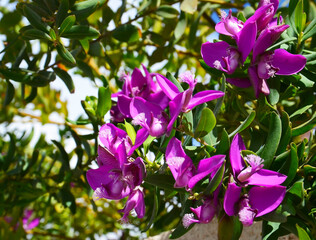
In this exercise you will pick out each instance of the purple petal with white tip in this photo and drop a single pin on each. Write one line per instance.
(287, 63)
(265, 177)
(204, 96)
(266, 199)
(167, 86)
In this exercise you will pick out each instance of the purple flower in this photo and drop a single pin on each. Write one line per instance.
(115, 181)
(229, 25)
(184, 101)
(203, 213)
(28, 222)
(118, 174)
(135, 201)
(150, 116)
(142, 86)
(264, 197)
(183, 169)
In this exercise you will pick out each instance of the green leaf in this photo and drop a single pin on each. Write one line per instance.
(31, 34)
(9, 158)
(181, 26)
(206, 124)
(32, 95)
(147, 143)
(126, 33)
(104, 101)
(302, 234)
(66, 78)
(64, 156)
(162, 181)
(167, 11)
(130, 131)
(174, 81)
(224, 144)
(41, 79)
(189, 6)
(310, 30)
(305, 127)
(272, 141)
(84, 9)
(229, 228)
(289, 168)
(52, 34)
(67, 199)
(215, 181)
(296, 192)
(67, 24)
(62, 12)
(244, 124)
(9, 93)
(34, 19)
(85, 45)
(299, 17)
(81, 32)
(301, 110)
(286, 133)
(65, 54)
(155, 210)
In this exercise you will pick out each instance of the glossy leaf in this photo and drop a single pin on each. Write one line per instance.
(66, 78)
(289, 168)
(67, 24)
(65, 54)
(104, 101)
(80, 32)
(272, 141)
(206, 124)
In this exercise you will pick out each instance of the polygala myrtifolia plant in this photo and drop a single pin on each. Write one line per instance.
(229, 135)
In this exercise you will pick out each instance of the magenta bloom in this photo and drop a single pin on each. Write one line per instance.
(118, 174)
(183, 169)
(203, 213)
(135, 201)
(184, 101)
(138, 85)
(28, 222)
(264, 197)
(150, 116)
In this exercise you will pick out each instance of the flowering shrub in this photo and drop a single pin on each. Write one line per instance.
(221, 129)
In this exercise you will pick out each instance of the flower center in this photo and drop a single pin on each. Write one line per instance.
(255, 164)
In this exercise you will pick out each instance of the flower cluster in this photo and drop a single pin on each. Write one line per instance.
(153, 103)
(255, 35)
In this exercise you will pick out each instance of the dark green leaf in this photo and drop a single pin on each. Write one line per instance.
(305, 127)
(224, 144)
(31, 34)
(66, 78)
(32, 95)
(215, 181)
(67, 24)
(310, 30)
(64, 155)
(9, 93)
(167, 11)
(34, 19)
(162, 181)
(272, 141)
(244, 124)
(62, 12)
(67, 199)
(81, 32)
(41, 79)
(229, 228)
(84, 9)
(65, 54)
(289, 168)
(286, 133)
(126, 33)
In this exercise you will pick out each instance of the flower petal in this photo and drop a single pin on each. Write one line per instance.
(231, 198)
(246, 39)
(141, 136)
(287, 63)
(167, 86)
(123, 103)
(205, 167)
(265, 177)
(175, 107)
(239, 82)
(267, 38)
(266, 199)
(259, 85)
(236, 160)
(105, 157)
(98, 177)
(212, 52)
(204, 96)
